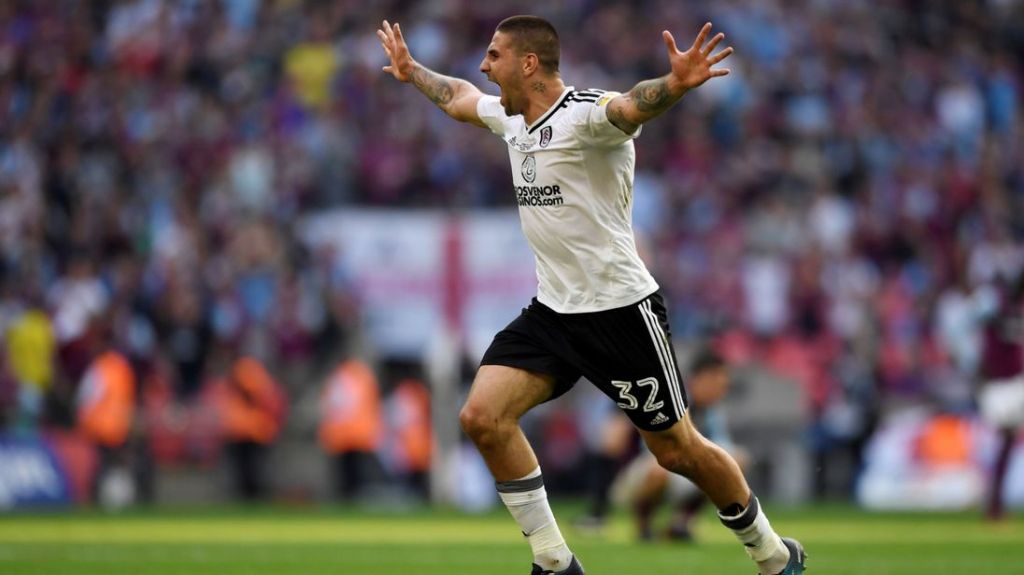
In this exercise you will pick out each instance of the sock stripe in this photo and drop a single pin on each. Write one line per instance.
(520, 485)
(745, 518)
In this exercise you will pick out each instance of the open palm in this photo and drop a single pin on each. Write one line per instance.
(394, 45)
(695, 66)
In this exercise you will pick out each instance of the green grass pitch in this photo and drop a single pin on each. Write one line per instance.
(273, 541)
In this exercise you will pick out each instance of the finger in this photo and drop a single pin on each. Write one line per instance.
(387, 30)
(388, 69)
(720, 56)
(670, 42)
(721, 72)
(704, 31)
(714, 42)
(396, 35)
(383, 38)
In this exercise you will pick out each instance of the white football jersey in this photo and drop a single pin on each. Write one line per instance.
(573, 176)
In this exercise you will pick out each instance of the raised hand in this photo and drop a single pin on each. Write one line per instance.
(694, 66)
(402, 64)
(456, 97)
(690, 69)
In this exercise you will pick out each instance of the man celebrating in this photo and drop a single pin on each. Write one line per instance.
(598, 312)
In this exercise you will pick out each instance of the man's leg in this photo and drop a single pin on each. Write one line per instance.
(683, 450)
(679, 526)
(602, 466)
(649, 496)
(499, 397)
(995, 510)
(600, 473)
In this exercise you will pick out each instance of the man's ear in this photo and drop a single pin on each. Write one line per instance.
(530, 64)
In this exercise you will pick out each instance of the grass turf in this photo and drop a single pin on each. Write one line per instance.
(840, 540)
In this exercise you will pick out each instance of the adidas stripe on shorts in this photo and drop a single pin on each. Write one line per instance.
(626, 352)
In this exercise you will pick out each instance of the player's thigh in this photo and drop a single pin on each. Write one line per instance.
(502, 392)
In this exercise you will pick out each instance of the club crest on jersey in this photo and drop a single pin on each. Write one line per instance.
(529, 169)
(545, 136)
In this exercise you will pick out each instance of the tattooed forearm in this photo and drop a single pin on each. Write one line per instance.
(438, 88)
(455, 96)
(646, 100)
(652, 96)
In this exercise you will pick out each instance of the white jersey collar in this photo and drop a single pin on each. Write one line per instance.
(551, 111)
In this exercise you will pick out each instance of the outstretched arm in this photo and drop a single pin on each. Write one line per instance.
(458, 98)
(652, 97)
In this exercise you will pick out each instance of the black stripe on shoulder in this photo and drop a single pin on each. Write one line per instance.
(563, 103)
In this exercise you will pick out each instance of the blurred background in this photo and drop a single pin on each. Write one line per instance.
(239, 262)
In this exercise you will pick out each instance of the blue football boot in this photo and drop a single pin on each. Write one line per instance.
(797, 557)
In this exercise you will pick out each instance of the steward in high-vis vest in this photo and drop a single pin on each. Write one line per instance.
(252, 409)
(105, 412)
(411, 434)
(351, 426)
(252, 406)
(106, 400)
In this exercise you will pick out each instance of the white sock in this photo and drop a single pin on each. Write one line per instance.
(760, 541)
(527, 501)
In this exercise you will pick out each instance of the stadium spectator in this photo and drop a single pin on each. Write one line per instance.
(30, 349)
(1002, 392)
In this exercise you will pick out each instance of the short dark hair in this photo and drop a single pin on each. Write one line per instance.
(534, 34)
(705, 360)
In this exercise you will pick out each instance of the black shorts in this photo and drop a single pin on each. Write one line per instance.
(626, 352)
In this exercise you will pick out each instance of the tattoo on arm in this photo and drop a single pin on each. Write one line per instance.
(646, 100)
(618, 119)
(434, 86)
(652, 96)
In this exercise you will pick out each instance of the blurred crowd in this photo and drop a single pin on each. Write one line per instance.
(847, 207)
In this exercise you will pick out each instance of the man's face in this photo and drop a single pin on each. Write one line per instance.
(502, 66)
(709, 386)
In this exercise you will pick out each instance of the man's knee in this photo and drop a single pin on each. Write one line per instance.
(478, 421)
